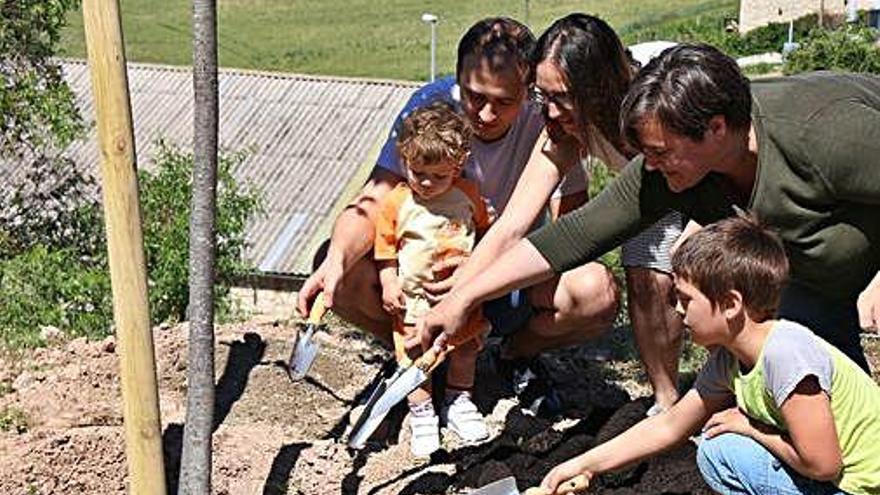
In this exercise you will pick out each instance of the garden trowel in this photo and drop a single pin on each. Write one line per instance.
(397, 387)
(306, 349)
(507, 486)
(357, 439)
(404, 383)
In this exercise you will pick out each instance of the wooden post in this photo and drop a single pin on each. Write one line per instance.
(125, 247)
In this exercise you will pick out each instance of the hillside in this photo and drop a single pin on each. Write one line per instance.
(382, 39)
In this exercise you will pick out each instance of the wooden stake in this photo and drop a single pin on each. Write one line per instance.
(140, 397)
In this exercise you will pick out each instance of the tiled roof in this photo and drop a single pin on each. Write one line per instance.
(312, 140)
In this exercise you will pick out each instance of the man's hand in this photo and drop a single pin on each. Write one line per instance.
(326, 278)
(730, 420)
(444, 272)
(439, 326)
(564, 472)
(868, 305)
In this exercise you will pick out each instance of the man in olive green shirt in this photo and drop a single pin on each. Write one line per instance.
(801, 153)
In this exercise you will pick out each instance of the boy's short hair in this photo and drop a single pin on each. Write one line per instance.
(502, 42)
(735, 254)
(434, 133)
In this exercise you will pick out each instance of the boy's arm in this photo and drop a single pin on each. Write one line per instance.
(646, 438)
(385, 251)
(811, 446)
(392, 293)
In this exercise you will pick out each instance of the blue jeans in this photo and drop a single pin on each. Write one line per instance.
(508, 313)
(736, 464)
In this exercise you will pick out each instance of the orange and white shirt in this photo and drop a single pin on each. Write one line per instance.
(418, 233)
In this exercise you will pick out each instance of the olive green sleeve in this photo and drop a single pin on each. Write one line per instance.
(629, 203)
(846, 148)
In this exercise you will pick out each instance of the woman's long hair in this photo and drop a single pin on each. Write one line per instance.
(598, 70)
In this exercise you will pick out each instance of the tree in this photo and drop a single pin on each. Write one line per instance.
(37, 105)
(195, 463)
(39, 119)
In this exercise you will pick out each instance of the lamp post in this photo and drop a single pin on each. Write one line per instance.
(432, 20)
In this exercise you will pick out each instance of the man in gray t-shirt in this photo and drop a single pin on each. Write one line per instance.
(492, 77)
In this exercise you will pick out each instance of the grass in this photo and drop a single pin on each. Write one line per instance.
(14, 420)
(354, 38)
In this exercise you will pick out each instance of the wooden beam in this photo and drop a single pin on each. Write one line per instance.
(140, 397)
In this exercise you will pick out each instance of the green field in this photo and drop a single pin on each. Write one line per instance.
(384, 39)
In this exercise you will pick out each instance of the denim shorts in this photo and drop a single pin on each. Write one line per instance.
(508, 313)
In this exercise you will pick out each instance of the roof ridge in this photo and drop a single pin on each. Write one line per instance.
(260, 73)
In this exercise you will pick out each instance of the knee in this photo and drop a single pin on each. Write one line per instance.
(647, 286)
(723, 460)
(591, 295)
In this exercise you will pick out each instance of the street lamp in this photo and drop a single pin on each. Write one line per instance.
(432, 20)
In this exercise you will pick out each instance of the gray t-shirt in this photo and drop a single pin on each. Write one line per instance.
(791, 353)
(494, 166)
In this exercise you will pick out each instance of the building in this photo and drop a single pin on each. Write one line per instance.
(757, 13)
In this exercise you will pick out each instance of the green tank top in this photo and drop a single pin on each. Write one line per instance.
(855, 405)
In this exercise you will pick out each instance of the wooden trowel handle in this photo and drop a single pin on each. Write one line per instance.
(318, 309)
(432, 358)
(574, 485)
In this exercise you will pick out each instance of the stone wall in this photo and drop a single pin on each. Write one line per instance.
(265, 305)
(757, 13)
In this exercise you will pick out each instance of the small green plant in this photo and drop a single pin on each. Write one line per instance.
(52, 287)
(53, 266)
(13, 419)
(761, 69)
(165, 199)
(850, 48)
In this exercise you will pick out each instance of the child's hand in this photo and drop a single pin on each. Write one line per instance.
(392, 298)
(728, 421)
(562, 473)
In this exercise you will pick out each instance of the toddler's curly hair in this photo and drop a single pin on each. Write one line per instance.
(434, 133)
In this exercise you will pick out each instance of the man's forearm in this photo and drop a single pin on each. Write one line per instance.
(498, 240)
(353, 235)
(519, 267)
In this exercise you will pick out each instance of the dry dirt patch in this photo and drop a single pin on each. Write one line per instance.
(274, 436)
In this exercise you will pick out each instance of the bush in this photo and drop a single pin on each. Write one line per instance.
(52, 287)
(37, 106)
(165, 201)
(850, 48)
(53, 266)
(714, 28)
(53, 204)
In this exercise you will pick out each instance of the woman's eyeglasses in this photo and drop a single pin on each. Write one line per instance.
(561, 100)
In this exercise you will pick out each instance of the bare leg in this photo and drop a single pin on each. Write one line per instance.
(359, 300)
(570, 309)
(462, 362)
(657, 328)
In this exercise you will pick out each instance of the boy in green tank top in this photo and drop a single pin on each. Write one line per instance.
(781, 410)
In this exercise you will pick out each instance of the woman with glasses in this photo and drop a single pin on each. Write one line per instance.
(582, 74)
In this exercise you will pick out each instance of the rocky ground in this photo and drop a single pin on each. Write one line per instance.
(61, 426)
